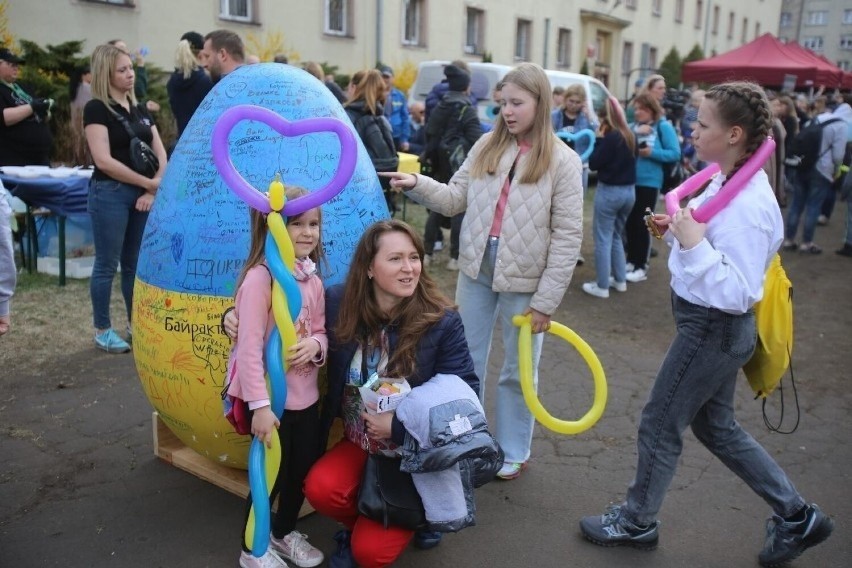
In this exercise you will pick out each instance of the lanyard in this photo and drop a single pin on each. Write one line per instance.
(21, 94)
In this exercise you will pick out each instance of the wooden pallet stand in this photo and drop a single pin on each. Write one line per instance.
(169, 448)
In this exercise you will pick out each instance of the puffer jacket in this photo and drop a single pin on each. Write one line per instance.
(448, 450)
(542, 225)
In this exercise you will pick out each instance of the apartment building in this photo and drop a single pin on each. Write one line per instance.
(823, 26)
(618, 40)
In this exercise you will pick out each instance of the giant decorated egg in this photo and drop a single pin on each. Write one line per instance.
(197, 238)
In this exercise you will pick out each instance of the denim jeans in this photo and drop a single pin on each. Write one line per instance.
(695, 387)
(117, 229)
(849, 221)
(613, 204)
(479, 307)
(809, 191)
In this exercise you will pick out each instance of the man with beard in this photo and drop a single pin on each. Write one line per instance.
(223, 53)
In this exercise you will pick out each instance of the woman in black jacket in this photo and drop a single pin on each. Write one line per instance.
(189, 84)
(365, 111)
(614, 158)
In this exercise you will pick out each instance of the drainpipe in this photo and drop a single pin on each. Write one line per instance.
(379, 27)
(546, 40)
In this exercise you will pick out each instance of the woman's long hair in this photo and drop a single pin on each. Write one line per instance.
(186, 59)
(360, 318)
(104, 63)
(531, 78)
(259, 229)
(370, 89)
(612, 118)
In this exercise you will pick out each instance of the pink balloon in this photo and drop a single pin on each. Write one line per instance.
(257, 199)
(709, 208)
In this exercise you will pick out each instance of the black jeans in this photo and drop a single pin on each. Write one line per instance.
(432, 232)
(636, 232)
(299, 433)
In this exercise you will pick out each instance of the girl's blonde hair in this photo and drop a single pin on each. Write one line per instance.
(259, 230)
(186, 60)
(531, 78)
(104, 63)
(370, 88)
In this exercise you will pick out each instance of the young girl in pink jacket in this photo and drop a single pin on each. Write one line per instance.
(298, 428)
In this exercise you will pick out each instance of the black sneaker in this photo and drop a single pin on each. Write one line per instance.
(424, 540)
(786, 541)
(612, 529)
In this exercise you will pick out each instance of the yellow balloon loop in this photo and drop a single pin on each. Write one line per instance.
(272, 463)
(277, 199)
(528, 388)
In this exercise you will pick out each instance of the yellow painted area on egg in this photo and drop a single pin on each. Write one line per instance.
(181, 357)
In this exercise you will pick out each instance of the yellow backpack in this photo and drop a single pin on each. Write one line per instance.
(774, 320)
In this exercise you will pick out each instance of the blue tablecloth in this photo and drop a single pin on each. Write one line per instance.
(62, 196)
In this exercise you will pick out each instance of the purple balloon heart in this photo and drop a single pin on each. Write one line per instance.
(258, 200)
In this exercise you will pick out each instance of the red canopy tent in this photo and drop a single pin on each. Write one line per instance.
(822, 63)
(765, 61)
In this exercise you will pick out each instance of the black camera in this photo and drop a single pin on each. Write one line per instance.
(674, 103)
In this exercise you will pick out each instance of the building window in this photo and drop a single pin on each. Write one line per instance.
(847, 17)
(846, 42)
(239, 10)
(652, 57)
(699, 13)
(715, 28)
(731, 19)
(627, 58)
(817, 18)
(563, 48)
(630, 4)
(745, 31)
(337, 17)
(474, 41)
(757, 30)
(812, 42)
(657, 7)
(787, 19)
(678, 10)
(412, 22)
(844, 65)
(128, 3)
(523, 40)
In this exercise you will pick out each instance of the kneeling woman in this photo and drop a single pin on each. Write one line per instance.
(389, 318)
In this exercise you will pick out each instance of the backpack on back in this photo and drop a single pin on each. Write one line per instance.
(805, 149)
(453, 146)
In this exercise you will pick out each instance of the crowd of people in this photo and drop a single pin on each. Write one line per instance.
(513, 194)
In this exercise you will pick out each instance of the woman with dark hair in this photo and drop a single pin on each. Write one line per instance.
(389, 318)
(365, 110)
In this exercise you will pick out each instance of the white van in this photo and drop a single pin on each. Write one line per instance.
(484, 76)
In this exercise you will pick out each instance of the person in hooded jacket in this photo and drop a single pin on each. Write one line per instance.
(189, 83)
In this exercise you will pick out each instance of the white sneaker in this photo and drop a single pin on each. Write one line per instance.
(637, 275)
(295, 548)
(268, 560)
(618, 286)
(629, 267)
(452, 264)
(439, 246)
(427, 259)
(593, 289)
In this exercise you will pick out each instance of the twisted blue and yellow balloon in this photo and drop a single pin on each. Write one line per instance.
(263, 462)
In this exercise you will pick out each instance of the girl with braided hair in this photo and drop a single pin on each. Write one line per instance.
(717, 275)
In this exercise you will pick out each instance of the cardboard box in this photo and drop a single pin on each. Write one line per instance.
(377, 403)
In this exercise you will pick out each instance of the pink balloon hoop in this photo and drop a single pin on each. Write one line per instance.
(257, 199)
(709, 208)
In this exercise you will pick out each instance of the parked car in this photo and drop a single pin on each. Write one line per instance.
(484, 76)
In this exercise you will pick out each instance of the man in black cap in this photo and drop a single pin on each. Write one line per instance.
(396, 109)
(24, 134)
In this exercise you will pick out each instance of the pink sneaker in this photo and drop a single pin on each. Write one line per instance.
(295, 548)
(268, 560)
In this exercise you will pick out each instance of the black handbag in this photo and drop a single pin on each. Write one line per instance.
(142, 157)
(388, 495)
